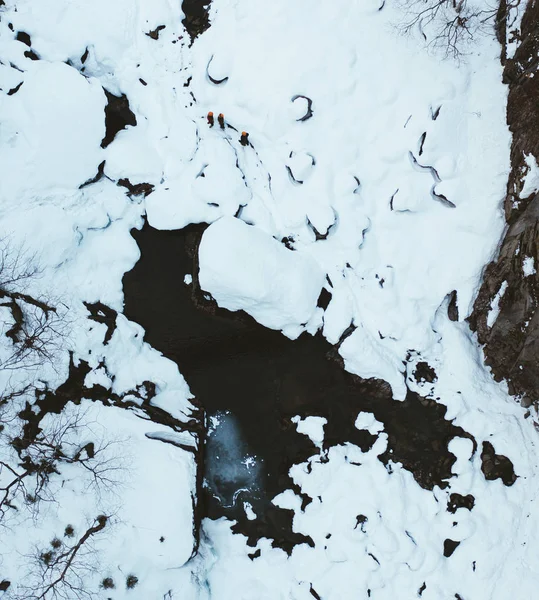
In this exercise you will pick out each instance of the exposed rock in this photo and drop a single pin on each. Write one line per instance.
(196, 19)
(457, 501)
(496, 466)
(154, 33)
(452, 308)
(512, 340)
(424, 372)
(118, 116)
(449, 547)
(103, 314)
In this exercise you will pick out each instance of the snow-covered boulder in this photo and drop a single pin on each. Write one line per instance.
(244, 268)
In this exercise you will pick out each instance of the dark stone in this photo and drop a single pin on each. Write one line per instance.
(424, 372)
(452, 308)
(255, 554)
(324, 299)
(136, 189)
(4, 585)
(31, 55)
(309, 113)
(100, 313)
(449, 547)
(314, 593)
(24, 38)
(15, 89)
(496, 466)
(118, 116)
(154, 34)
(229, 360)
(457, 501)
(360, 521)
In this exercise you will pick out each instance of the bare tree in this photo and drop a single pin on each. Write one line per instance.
(59, 572)
(450, 26)
(26, 481)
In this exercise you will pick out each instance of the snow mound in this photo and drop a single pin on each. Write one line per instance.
(244, 268)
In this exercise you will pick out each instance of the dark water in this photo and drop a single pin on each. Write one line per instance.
(263, 379)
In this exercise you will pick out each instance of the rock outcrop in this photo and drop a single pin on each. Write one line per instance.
(505, 313)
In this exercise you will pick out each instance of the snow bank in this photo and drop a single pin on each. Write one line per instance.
(244, 268)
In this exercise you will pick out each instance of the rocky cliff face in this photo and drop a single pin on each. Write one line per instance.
(510, 288)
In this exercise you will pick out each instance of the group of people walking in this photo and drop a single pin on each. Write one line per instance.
(244, 139)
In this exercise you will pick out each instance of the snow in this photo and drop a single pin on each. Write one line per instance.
(244, 268)
(312, 427)
(495, 305)
(528, 266)
(531, 178)
(358, 194)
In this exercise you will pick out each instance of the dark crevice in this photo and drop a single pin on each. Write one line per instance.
(449, 547)
(212, 79)
(457, 501)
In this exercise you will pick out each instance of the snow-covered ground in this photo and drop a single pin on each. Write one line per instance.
(383, 167)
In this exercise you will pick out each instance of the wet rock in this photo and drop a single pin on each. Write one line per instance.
(154, 33)
(324, 299)
(196, 19)
(496, 466)
(96, 178)
(118, 116)
(512, 341)
(23, 37)
(457, 501)
(103, 314)
(264, 379)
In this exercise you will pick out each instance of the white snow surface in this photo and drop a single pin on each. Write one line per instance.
(531, 178)
(392, 252)
(528, 266)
